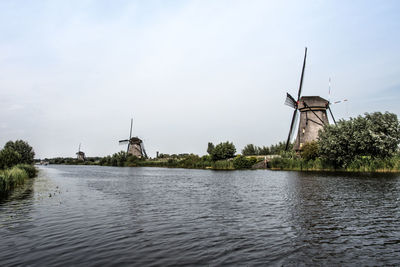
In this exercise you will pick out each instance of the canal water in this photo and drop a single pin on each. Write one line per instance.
(107, 216)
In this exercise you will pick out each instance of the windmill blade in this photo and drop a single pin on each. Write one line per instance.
(130, 133)
(290, 101)
(330, 111)
(143, 150)
(292, 127)
(302, 74)
(340, 101)
(130, 137)
(123, 142)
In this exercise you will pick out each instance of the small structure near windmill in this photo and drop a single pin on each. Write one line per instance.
(135, 145)
(313, 115)
(80, 155)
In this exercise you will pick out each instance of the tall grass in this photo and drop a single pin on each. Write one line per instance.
(30, 169)
(16, 176)
(223, 165)
(359, 164)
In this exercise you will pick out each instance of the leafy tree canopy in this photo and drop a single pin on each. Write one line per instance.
(250, 150)
(23, 148)
(223, 151)
(210, 148)
(9, 158)
(376, 135)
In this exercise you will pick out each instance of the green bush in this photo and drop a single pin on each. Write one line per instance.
(375, 135)
(241, 162)
(310, 150)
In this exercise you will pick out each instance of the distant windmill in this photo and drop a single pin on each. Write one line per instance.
(313, 115)
(80, 155)
(135, 145)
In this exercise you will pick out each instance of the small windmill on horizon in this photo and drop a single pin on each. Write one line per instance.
(313, 115)
(135, 145)
(80, 155)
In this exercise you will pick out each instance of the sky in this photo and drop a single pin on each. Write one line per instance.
(188, 72)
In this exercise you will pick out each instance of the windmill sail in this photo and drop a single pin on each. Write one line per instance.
(302, 74)
(292, 128)
(143, 150)
(290, 101)
(130, 136)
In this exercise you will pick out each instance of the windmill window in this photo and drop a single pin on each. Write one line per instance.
(304, 130)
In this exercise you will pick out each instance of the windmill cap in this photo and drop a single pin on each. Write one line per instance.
(313, 101)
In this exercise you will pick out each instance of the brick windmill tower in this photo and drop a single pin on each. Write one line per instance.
(135, 145)
(313, 115)
(80, 155)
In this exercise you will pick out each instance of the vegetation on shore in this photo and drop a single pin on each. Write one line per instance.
(367, 143)
(220, 157)
(16, 159)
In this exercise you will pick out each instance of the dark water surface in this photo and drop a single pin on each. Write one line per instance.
(102, 216)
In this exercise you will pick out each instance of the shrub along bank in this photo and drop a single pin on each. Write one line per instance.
(359, 164)
(16, 167)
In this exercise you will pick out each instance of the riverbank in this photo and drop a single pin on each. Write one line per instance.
(188, 161)
(14, 177)
(360, 164)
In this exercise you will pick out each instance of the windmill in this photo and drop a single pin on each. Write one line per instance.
(313, 115)
(135, 145)
(80, 155)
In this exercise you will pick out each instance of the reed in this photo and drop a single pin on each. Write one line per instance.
(14, 177)
(359, 164)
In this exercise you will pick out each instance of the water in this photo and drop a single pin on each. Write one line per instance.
(105, 216)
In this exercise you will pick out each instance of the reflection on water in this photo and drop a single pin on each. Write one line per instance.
(82, 215)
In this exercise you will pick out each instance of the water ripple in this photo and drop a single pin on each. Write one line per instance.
(105, 216)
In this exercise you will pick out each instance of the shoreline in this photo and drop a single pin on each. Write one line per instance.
(382, 171)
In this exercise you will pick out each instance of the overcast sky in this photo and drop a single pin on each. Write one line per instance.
(189, 72)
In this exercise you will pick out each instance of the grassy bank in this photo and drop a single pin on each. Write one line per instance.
(360, 164)
(187, 161)
(15, 176)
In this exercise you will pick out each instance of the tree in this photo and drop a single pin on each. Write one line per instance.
(376, 135)
(249, 150)
(263, 150)
(23, 148)
(210, 148)
(223, 151)
(9, 158)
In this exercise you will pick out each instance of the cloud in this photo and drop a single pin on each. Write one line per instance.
(188, 72)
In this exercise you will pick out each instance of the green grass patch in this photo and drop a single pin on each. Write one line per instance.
(359, 164)
(16, 176)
